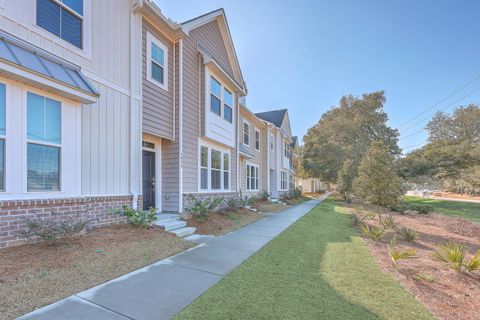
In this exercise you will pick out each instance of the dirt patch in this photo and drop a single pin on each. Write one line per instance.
(447, 294)
(219, 223)
(35, 275)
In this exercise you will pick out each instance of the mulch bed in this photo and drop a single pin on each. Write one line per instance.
(447, 294)
(221, 222)
(34, 275)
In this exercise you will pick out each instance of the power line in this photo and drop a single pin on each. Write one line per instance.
(426, 118)
(441, 101)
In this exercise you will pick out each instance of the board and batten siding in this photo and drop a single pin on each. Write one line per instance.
(157, 108)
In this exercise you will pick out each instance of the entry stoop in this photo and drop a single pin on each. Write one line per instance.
(173, 223)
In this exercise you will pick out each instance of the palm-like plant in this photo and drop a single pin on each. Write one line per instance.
(397, 254)
(453, 254)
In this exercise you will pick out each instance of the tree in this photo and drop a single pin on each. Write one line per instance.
(377, 181)
(346, 176)
(346, 132)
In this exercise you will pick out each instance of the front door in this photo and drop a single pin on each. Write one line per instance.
(148, 179)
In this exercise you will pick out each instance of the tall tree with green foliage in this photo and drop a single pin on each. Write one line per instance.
(346, 176)
(377, 182)
(346, 132)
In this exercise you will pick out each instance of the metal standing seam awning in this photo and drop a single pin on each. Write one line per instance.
(27, 64)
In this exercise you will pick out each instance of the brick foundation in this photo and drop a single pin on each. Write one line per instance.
(96, 211)
(187, 200)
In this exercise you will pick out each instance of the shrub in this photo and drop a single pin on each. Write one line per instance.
(401, 208)
(397, 254)
(424, 277)
(408, 235)
(421, 208)
(372, 232)
(296, 193)
(264, 196)
(54, 231)
(389, 222)
(454, 255)
(234, 203)
(138, 217)
(252, 200)
(202, 208)
(356, 220)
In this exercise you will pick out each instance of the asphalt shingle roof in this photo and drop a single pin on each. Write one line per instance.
(276, 116)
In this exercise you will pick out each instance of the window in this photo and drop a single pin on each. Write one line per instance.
(221, 100)
(285, 149)
(215, 96)
(271, 142)
(214, 169)
(3, 133)
(246, 133)
(226, 171)
(157, 62)
(43, 143)
(257, 140)
(203, 167)
(227, 106)
(292, 185)
(283, 180)
(63, 18)
(252, 177)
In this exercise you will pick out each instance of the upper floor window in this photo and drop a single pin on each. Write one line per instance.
(271, 142)
(246, 133)
(63, 18)
(157, 62)
(43, 143)
(221, 100)
(215, 96)
(227, 106)
(286, 149)
(3, 133)
(257, 140)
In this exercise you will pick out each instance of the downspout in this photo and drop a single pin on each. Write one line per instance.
(133, 115)
(180, 125)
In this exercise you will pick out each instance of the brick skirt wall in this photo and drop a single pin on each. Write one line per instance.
(96, 211)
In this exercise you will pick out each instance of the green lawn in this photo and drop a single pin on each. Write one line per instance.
(319, 268)
(467, 210)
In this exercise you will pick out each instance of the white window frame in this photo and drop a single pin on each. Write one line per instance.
(255, 176)
(208, 93)
(257, 141)
(43, 143)
(152, 39)
(283, 180)
(86, 50)
(247, 133)
(222, 170)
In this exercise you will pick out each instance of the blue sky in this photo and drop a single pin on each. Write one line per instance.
(305, 55)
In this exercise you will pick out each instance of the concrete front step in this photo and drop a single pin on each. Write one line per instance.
(166, 217)
(172, 225)
(183, 232)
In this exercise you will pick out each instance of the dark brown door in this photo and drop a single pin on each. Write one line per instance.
(148, 179)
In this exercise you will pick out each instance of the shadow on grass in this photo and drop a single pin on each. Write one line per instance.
(317, 269)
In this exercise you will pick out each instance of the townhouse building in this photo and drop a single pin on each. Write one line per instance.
(105, 103)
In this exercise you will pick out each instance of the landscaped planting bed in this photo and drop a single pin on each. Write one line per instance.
(222, 222)
(35, 275)
(446, 293)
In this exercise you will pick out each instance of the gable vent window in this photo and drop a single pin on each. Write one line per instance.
(63, 18)
(257, 140)
(157, 62)
(246, 134)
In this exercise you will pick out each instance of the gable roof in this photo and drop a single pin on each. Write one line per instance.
(276, 116)
(220, 16)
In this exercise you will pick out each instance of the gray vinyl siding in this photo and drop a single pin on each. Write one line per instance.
(170, 160)
(210, 37)
(157, 102)
(194, 101)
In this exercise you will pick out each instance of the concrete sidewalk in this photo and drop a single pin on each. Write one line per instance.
(163, 289)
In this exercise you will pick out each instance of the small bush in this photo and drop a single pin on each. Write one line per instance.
(389, 222)
(251, 201)
(202, 208)
(424, 277)
(356, 220)
(54, 231)
(421, 208)
(264, 196)
(408, 235)
(138, 217)
(372, 232)
(401, 208)
(454, 254)
(234, 203)
(397, 254)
